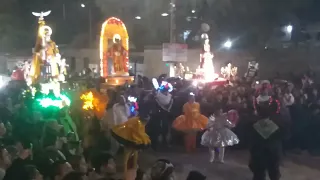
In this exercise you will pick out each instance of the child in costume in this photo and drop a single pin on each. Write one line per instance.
(218, 135)
(190, 123)
(131, 134)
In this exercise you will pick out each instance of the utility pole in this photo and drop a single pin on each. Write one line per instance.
(172, 10)
(64, 11)
(90, 26)
(172, 21)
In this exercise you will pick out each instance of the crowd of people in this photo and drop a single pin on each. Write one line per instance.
(35, 150)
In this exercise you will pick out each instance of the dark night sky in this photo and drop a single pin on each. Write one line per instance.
(306, 11)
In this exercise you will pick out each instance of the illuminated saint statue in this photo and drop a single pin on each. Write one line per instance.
(206, 64)
(39, 53)
(118, 55)
(46, 53)
(52, 56)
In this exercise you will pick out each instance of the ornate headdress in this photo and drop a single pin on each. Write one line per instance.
(164, 86)
(133, 105)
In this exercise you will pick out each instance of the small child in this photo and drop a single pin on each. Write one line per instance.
(218, 135)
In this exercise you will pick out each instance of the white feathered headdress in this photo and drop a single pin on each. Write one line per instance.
(164, 85)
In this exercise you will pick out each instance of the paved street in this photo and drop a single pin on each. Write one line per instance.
(295, 167)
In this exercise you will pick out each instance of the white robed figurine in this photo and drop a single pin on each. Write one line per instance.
(218, 135)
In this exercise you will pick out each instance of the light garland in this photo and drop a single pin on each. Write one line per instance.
(59, 102)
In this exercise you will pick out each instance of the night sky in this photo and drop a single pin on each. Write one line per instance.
(17, 21)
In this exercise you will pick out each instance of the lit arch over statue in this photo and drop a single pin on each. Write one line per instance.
(114, 44)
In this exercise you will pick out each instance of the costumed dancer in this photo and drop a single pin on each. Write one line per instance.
(267, 136)
(218, 135)
(130, 132)
(159, 124)
(190, 123)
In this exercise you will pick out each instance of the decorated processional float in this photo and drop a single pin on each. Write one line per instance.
(114, 53)
(45, 76)
(205, 74)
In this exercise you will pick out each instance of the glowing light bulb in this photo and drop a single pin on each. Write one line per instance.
(164, 14)
(227, 44)
(289, 29)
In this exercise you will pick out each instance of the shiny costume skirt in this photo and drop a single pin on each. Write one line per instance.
(131, 133)
(187, 125)
(219, 138)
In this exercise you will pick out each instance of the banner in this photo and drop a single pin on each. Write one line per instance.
(174, 52)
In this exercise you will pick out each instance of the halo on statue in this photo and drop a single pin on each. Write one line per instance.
(45, 31)
(116, 38)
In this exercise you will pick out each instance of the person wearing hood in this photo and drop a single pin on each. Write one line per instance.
(267, 135)
(159, 125)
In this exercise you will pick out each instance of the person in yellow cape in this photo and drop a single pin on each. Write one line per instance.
(129, 131)
(190, 123)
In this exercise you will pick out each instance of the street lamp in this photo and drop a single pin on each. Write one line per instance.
(289, 29)
(227, 44)
(137, 17)
(164, 14)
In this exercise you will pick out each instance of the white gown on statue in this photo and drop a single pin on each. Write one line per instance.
(218, 133)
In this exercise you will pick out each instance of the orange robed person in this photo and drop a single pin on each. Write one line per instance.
(190, 123)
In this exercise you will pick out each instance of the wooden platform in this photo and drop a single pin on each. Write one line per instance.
(119, 80)
(114, 81)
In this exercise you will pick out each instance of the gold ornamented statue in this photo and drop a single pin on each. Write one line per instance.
(45, 52)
